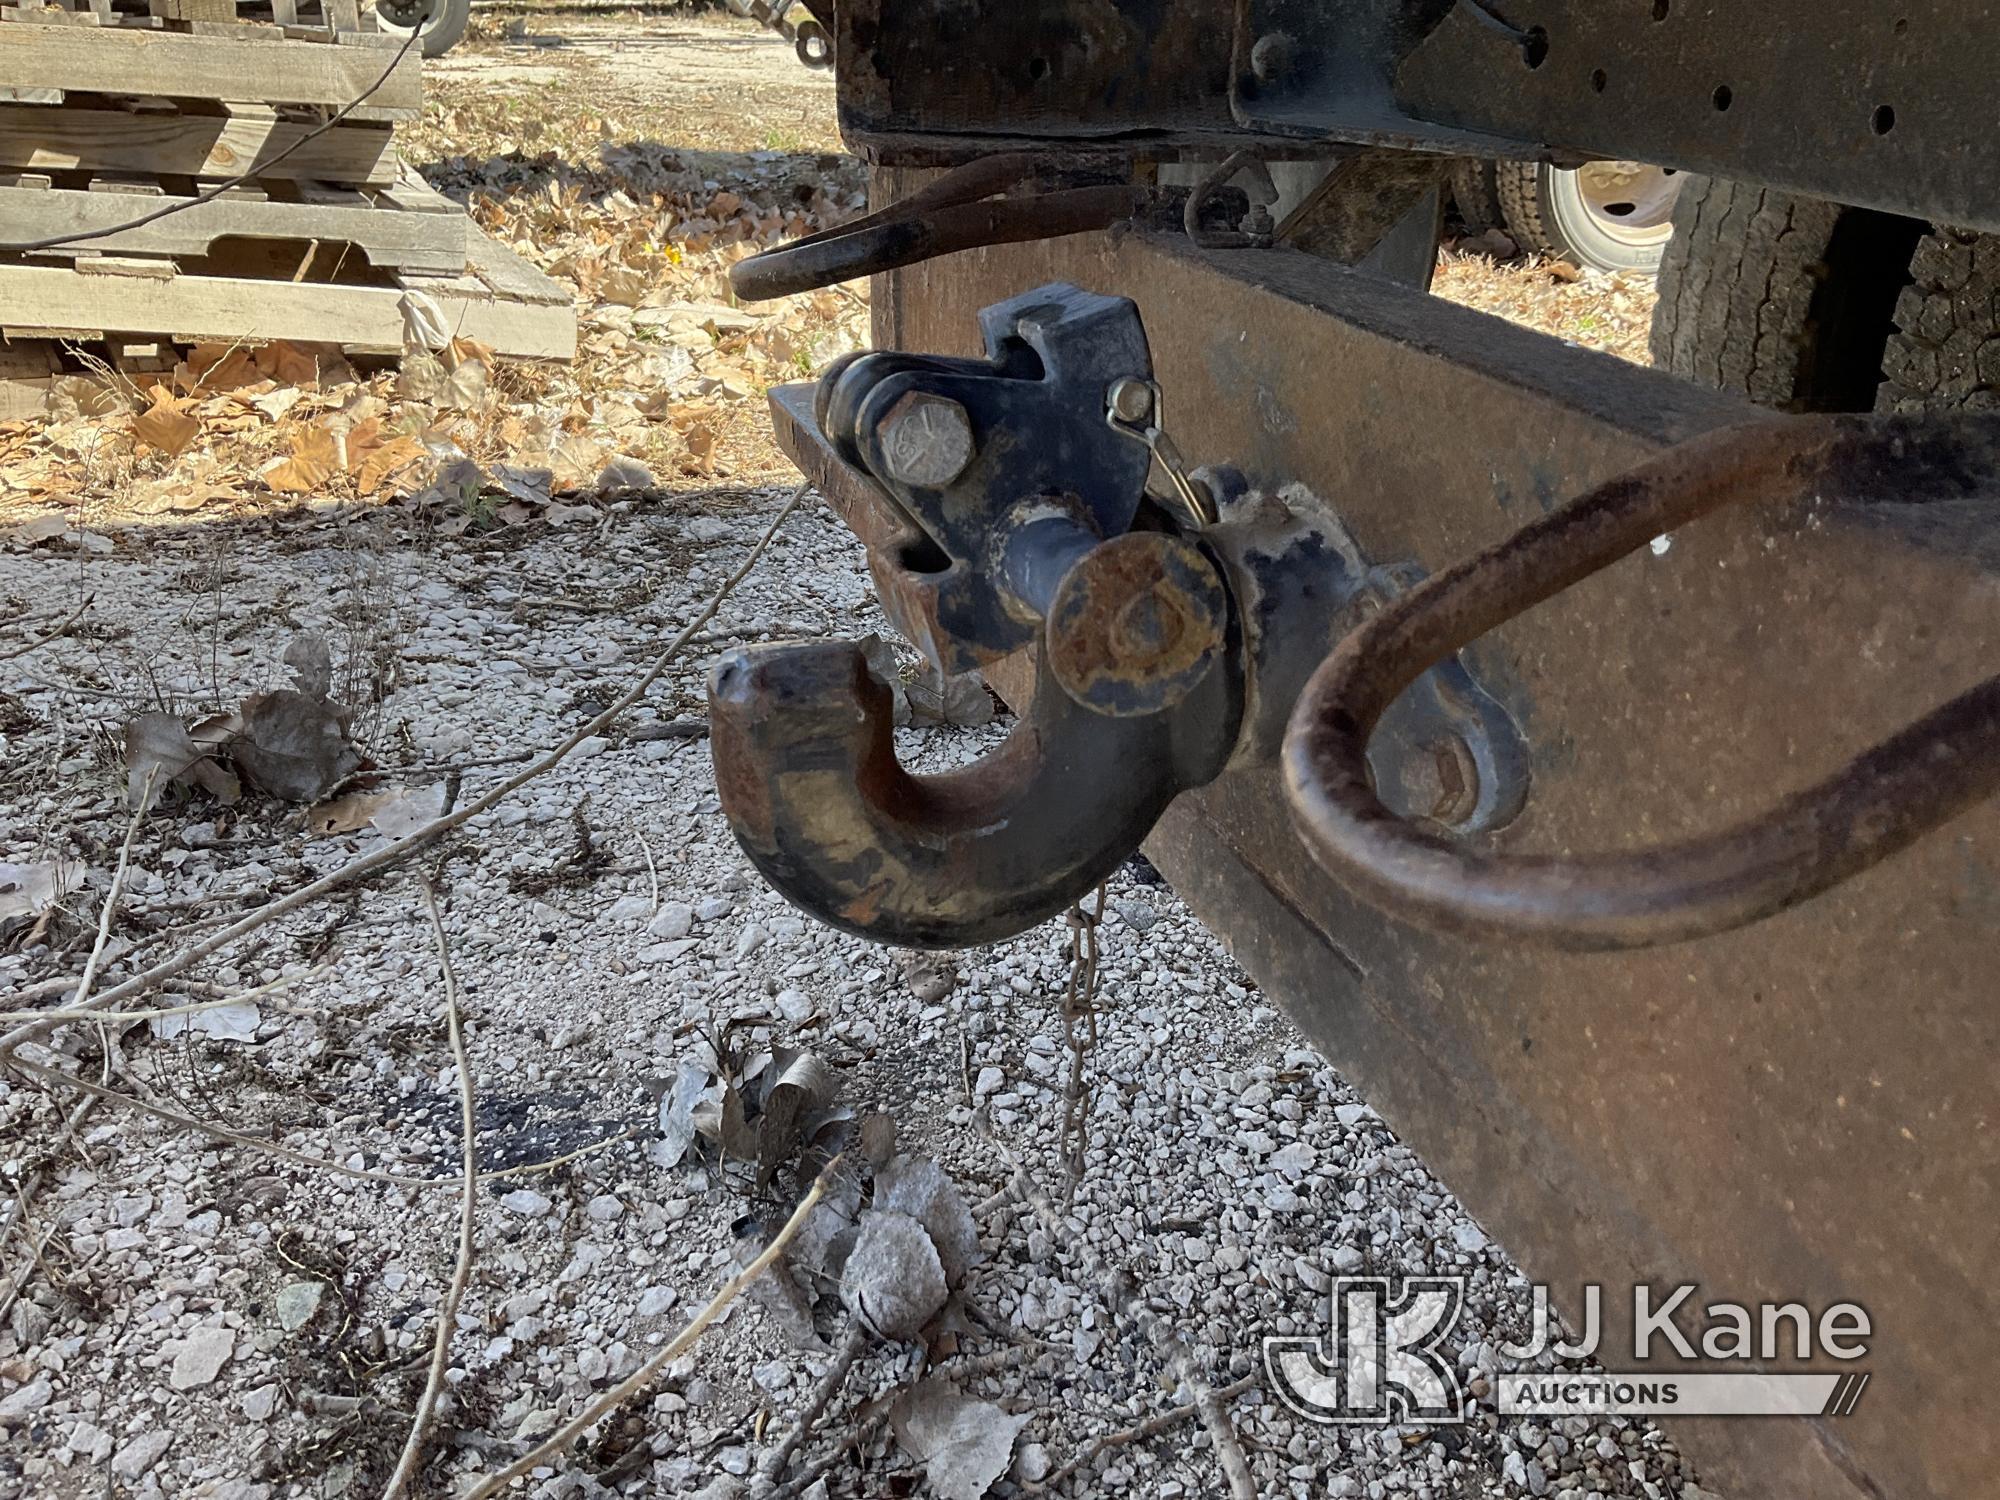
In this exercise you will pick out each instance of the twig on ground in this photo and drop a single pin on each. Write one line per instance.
(160, 1013)
(1137, 1432)
(804, 1480)
(54, 633)
(1120, 1294)
(413, 1448)
(82, 997)
(394, 854)
(644, 1376)
(772, 1465)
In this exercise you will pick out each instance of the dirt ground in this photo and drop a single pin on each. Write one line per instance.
(237, 1216)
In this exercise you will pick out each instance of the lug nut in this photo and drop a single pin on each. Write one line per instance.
(926, 440)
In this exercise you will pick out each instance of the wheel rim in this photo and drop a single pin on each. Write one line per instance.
(1629, 201)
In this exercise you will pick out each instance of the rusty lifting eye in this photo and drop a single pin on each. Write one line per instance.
(1879, 803)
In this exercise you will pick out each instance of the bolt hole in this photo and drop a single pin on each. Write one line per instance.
(1535, 47)
(1038, 68)
(1902, 25)
(1885, 119)
(1598, 79)
(1661, 9)
(1722, 97)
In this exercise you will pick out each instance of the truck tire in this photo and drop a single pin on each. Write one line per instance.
(1944, 352)
(1476, 194)
(1786, 300)
(1604, 216)
(442, 29)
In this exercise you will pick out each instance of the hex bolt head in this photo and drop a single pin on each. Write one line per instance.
(1131, 400)
(926, 440)
(1271, 56)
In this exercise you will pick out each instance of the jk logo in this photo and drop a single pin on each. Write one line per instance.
(1381, 1362)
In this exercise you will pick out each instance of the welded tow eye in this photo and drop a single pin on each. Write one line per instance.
(1879, 803)
(1021, 524)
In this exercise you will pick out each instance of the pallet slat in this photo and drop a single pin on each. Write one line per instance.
(392, 238)
(118, 60)
(37, 138)
(533, 319)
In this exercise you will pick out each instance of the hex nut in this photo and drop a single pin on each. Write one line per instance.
(926, 440)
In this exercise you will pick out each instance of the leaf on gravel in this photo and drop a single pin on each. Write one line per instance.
(964, 1444)
(26, 891)
(158, 752)
(800, 1084)
(293, 746)
(315, 459)
(166, 425)
(223, 1023)
(961, 700)
(310, 661)
(919, 1187)
(721, 1119)
(883, 662)
(41, 529)
(625, 473)
(677, 1129)
(529, 486)
(893, 1281)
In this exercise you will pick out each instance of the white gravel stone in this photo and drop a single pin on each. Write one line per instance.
(672, 921)
(201, 1357)
(526, 1201)
(604, 1208)
(136, 1458)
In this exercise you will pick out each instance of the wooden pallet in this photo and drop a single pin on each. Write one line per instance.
(406, 226)
(243, 62)
(497, 299)
(202, 139)
(315, 20)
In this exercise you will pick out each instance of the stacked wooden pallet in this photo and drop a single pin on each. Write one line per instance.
(114, 109)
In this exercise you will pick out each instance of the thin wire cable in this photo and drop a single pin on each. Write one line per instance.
(209, 195)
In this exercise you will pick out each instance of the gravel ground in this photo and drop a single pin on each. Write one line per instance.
(208, 1320)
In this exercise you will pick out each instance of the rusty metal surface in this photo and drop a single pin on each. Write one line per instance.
(1851, 100)
(1800, 1110)
(1087, 69)
(956, 212)
(1878, 804)
(805, 764)
(1360, 202)
(1842, 99)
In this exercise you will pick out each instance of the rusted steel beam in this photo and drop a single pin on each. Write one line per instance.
(1800, 1110)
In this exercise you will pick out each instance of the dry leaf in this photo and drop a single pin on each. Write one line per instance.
(918, 1186)
(964, 1444)
(893, 1281)
(293, 746)
(315, 459)
(26, 891)
(158, 752)
(310, 661)
(385, 462)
